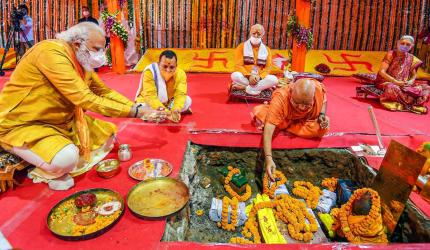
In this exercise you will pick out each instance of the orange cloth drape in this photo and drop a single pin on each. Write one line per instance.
(303, 9)
(116, 45)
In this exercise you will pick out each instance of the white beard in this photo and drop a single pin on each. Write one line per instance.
(83, 58)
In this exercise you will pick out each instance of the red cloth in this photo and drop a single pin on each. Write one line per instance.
(24, 210)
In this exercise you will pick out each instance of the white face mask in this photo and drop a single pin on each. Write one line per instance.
(83, 57)
(255, 40)
(97, 59)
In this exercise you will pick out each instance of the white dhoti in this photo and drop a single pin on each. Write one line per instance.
(267, 82)
(187, 104)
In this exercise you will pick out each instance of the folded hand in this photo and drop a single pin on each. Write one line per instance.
(324, 121)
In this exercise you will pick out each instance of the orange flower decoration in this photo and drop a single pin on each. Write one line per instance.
(307, 191)
(226, 202)
(368, 230)
(229, 189)
(330, 183)
(270, 188)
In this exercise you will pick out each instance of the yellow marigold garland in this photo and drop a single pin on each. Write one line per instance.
(229, 189)
(294, 213)
(270, 191)
(330, 183)
(307, 191)
(354, 232)
(290, 210)
(233, 215)
(250, 230)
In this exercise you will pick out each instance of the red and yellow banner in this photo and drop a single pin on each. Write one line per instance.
(10, 60)
(340, 62)
(208, 60)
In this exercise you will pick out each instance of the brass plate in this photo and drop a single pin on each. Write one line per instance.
(63, 228)
(140, 172)
(158, 197)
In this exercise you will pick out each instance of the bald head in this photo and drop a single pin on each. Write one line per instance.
(303, 93)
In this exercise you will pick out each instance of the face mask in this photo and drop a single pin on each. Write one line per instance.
(167, 75)
(404, 48)
(255, 40)
(83, 56)
(97, 59)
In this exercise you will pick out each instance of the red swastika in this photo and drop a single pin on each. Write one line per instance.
(211, 59)
(348, 62)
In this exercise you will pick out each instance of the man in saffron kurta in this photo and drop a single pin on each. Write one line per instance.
(164, 86)
(299, 108)
(253, 63)
(42, 117)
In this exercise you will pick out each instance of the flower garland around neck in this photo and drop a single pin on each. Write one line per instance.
(232, 171)
(269, 188)
(307, 191)
(359, 232)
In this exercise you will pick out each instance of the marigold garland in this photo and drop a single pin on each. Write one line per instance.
(270, 188)
(330, 183)
(307, 191)
(229, 189)
(233, 203)
(294, 213)
(288, 209)
(354, 233)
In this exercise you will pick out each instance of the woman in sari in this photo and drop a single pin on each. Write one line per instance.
(397, 79)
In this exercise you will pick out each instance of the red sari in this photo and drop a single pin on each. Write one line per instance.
(407, 98)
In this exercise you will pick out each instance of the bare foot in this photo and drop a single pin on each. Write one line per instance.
(236, 86)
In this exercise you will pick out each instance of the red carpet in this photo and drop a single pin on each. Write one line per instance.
(24, 210)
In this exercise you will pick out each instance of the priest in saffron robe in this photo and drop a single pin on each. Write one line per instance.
(253, 63)
(299, 108)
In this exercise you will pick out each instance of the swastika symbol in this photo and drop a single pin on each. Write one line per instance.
(210, 60)
(347, 61)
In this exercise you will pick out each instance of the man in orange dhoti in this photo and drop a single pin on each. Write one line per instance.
(299, 108)
(253, 61)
